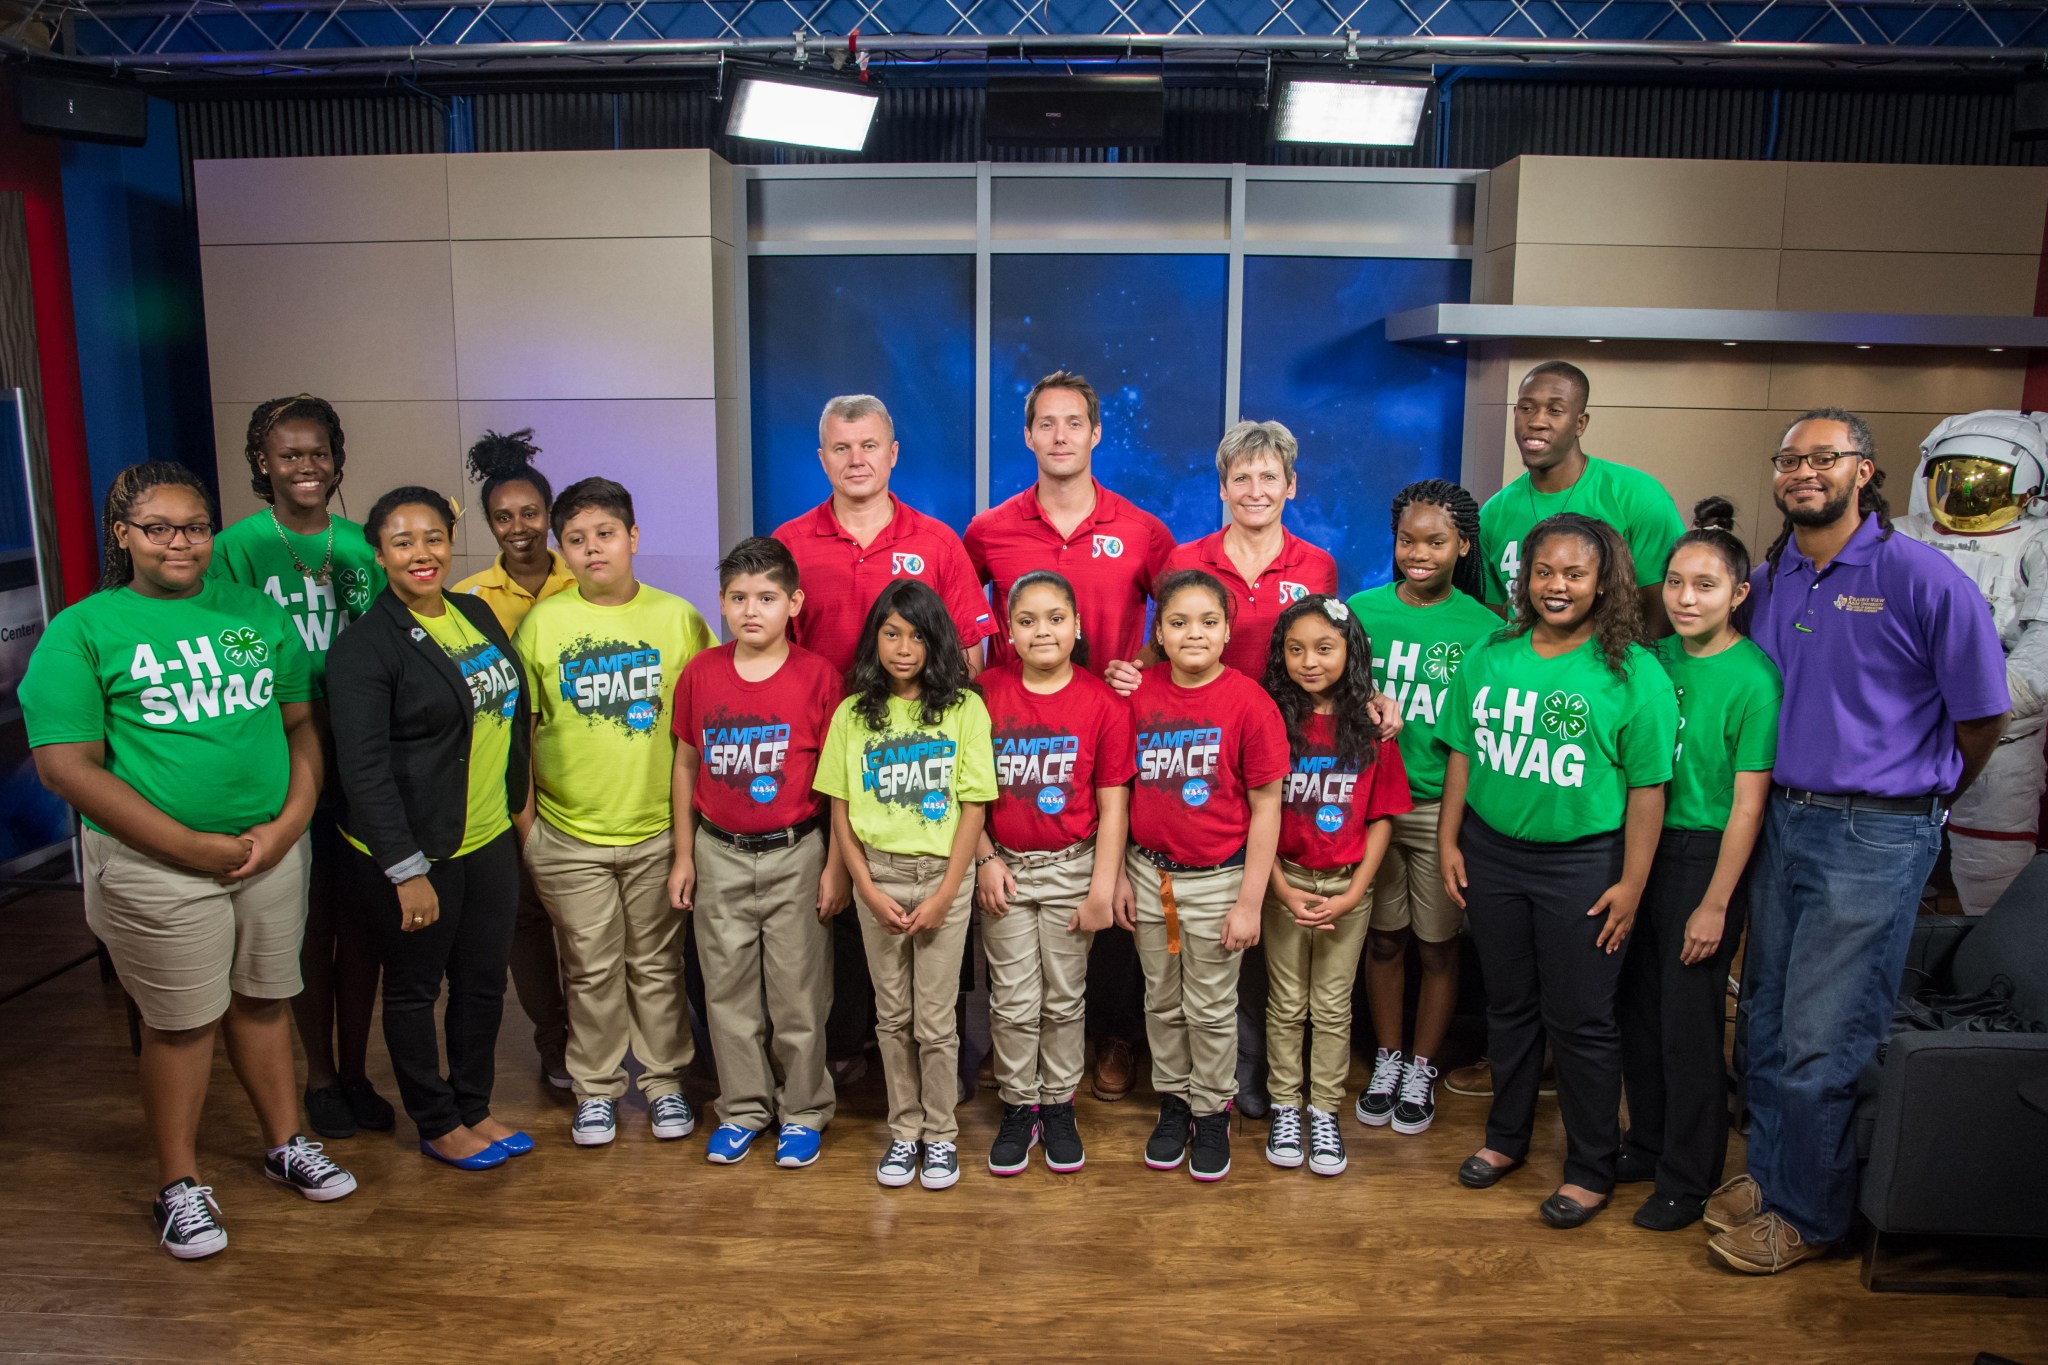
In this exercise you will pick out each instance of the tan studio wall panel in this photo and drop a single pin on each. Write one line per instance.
(634, 193)
(1634, 201)
(1984, 210)
(1493, 276)
(1503, 204)
(322, 199)
(735, 481)
(388, 445)
(1907, 282)
(1645, 276)
(1896, 379)
(725, 358)
(1695, 452)
(1668, 374)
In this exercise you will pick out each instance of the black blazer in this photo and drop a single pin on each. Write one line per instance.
(401, 713)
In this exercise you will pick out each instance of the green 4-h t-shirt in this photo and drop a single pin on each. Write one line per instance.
(903, 785)
(1727, 724)
(1555, 744)
(257, 552)
(1627, 499)
(183, 691)
(1416, 653)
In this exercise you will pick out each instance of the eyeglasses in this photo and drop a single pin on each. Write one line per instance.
(163, 533)
(1820, 461)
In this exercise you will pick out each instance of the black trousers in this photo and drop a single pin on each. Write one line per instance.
(1672, 1020)
(851, 1022)
(1116, 988)
(468, 946)
(1526, 904)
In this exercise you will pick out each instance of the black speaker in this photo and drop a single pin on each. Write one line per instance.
(94, 111)
(1076, 111)
(2030, 111)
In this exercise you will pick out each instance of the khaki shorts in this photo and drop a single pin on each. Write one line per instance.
(183, 943)
(1409, 891)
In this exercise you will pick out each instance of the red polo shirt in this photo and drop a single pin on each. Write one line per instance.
(1301, 569)
(841, 579)
(1112, 559)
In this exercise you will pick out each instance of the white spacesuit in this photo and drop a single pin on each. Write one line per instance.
(1978, 498)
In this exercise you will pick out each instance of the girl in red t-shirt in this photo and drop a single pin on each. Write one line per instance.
(1336, 821)
(1205, 816)
(1048, 864)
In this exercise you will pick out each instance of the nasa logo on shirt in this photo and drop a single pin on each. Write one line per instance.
(763, 788)
(1051, 800)
(1292, 592)
(640, 715)
(1110, 546)
(1329, 819)
(903, 561)
(933, 805)
(1195, 792)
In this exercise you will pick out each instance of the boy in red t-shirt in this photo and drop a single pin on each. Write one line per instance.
(754, 856)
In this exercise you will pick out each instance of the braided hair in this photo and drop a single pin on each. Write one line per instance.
(1870, 499)
(1468, 575)
(303, 407)
(497, 460)
(118, 568)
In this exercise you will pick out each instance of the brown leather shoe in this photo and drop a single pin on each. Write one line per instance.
(1116, 1070)
(1737, 1202)
(1764, 1245)
(1476, 1079)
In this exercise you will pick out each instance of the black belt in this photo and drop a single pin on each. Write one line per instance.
(763, 843)
(1166, 864)
(1931, 806)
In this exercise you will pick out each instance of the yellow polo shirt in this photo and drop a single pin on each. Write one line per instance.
(507, 600)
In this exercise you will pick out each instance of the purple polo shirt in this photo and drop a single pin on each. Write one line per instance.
(1883, 652)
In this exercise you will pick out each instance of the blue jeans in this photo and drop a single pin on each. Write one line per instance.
(1832, 906)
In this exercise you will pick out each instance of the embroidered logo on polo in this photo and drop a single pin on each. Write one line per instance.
(744, 751)
(1504, 736)
(194, 687)
(1844, 602)
(912, 770)
(612, 680)
(1109, 547)
(1186, 757)
(1038, 764)
(903, 561)
(1292, 592)
(1319, 788)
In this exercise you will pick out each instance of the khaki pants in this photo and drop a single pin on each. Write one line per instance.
(1409, 891)
(1190, 996)
(1038, 977)
(1309, 973)
(622, 955)
(917, 983)
(767, 962)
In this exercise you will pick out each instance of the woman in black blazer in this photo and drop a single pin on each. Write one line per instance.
(431, 729)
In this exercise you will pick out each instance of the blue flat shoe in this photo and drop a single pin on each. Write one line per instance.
(519, 1144)
(493, 1155)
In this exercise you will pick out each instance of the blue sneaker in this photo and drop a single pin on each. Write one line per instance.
(797, 1145)
(729, 1142)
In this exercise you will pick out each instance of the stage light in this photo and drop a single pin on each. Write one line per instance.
(1332, 107)
(805, 113)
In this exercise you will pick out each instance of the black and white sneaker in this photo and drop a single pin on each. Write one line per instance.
(1011, 1151)
(1416, 1108)
(1325, 1143)
(1209, 1156)
(898, 1165)
(671, 1117)
(1169, 1140)
(1283, 1136)
(186, 1222)
(1063, 1150)
(301, 1165)
(596, 1123)
(941, 1166)
(1376, 1105)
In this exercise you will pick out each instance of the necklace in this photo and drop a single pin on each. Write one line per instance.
(1530, 489)
(326, 568)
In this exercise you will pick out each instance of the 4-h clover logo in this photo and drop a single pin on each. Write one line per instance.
(355, 590)
(1565, 714)
(1440, 664)
(244, 646)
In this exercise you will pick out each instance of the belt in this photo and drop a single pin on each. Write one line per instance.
(1930, 806)
(763, 843)
(1020, 861)
(1168, 906)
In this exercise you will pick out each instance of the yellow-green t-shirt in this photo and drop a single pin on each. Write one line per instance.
(494, 696)
(601, 679)
(903, 784)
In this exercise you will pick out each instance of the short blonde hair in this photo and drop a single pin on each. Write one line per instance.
(1248, 440)
(851, 407)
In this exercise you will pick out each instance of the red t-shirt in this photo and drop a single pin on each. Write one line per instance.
(1200, 750)
(1301, 569)
(1052, 752)
(841, 579)
(1112, 559)
(757, 742)
(1325, 806)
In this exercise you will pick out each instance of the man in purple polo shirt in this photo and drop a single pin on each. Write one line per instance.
(1894, 698)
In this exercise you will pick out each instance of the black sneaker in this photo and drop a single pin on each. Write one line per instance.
(1415, 1108)
(1011, 1151)
(372, 1110)
(300, 1165)
(1376, 1106)
(328, 1112)
(1283, 1136)
(941, 1166)
(185, 1221)
(1063, 1151)
(1169, 1141)
(1210, 1157)
(1325, 1143)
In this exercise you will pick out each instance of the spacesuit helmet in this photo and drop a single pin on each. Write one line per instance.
(1981, 472)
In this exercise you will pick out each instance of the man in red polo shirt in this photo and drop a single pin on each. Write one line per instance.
(1110, 549)
(853, 544)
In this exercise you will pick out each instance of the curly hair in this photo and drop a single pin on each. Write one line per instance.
(302, 407)
(944, 680)
(1357, 737)
(497, 460)
(1617, 610)
(1467, 575)
(117, 569)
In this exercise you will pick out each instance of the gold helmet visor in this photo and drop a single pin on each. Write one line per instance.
(1971, 495)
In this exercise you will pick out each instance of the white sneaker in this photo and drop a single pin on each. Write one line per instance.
(596, 1123)
(1416, 1108)
(1283, 1136)
(301, 1165)
(899, 1165)
(671, 1117)
(1325, 1143)
(185, 1220)
(941, 1166)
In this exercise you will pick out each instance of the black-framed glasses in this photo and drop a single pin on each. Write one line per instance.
(163, 533)
(1819, 461)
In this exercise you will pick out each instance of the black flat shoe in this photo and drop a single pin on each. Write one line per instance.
(1632, 1168)
(372, 1111)
(1477, 1173)
(328, 1112)
(1561, 1211)
(1664, 1213)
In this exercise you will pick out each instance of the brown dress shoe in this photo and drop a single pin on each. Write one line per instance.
(1116, 1070)
(1764, 1245)
(1476, 1079)
(1737, 1202)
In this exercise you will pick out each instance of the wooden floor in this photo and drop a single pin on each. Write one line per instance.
(642, 1251)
